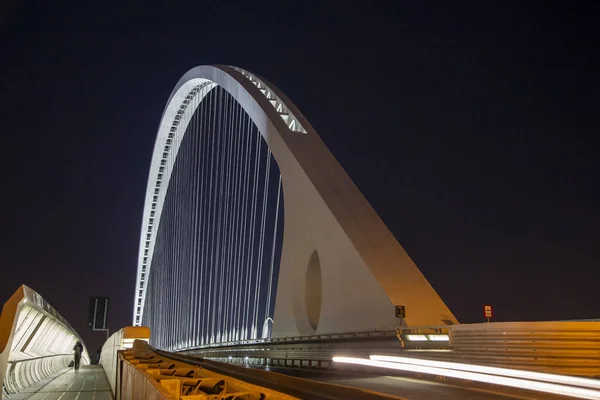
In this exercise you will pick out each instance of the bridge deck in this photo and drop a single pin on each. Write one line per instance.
(90, 383)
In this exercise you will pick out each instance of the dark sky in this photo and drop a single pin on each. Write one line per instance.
(472, 129)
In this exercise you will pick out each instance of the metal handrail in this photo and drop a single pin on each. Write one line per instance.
(38, 358)
(306, 338)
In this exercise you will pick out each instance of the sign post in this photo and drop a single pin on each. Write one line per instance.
(487, 312)
(98, 314)
(401, 314)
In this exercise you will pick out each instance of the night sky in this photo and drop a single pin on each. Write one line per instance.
(471, 128)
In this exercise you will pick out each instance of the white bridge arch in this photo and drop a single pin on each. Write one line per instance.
(341, 269)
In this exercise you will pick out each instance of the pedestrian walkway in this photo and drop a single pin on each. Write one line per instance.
(89, 384)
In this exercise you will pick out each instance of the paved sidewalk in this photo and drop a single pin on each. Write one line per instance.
(89, 384)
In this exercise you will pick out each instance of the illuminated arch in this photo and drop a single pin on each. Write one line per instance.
(362, 270)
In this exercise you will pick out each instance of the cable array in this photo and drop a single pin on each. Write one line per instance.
(215, 264)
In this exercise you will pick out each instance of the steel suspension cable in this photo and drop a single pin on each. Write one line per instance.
(272, 264)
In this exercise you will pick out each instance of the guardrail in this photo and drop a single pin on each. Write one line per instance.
(318, 350)
(300, 354)
(121, 340)
(35, 341)
(560, 347)
(403, 334)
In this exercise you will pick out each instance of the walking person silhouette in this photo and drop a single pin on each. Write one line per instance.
(78, 348)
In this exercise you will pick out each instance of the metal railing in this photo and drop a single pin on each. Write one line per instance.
(318, 350)
(562, 347)
(331, 337)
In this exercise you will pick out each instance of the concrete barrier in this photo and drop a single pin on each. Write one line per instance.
(146, 374)
(121, 340)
